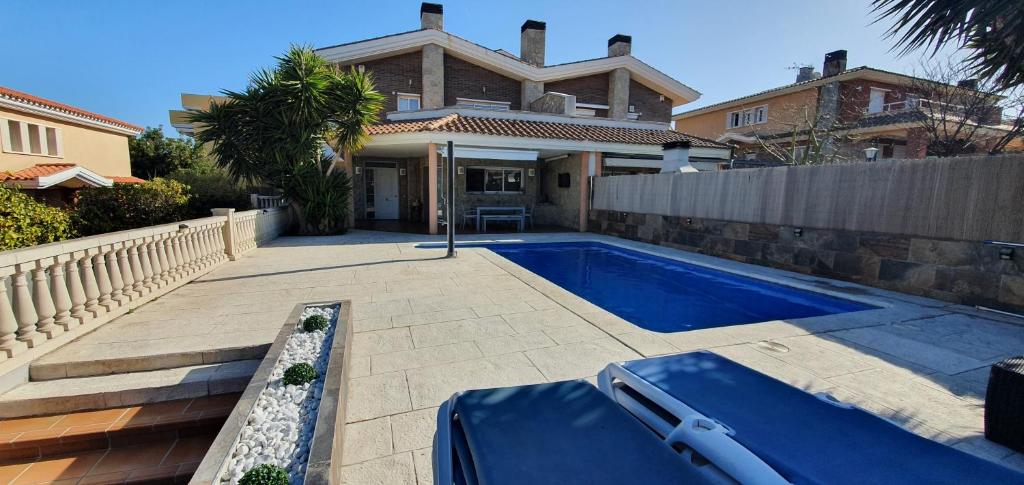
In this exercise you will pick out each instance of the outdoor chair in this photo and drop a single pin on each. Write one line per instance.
(556, 433)
(467, 215)
(528, 216)
(806, 438)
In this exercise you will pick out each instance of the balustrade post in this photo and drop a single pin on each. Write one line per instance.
(228, 232)
(9, 343)
(138, 286)
(107, 299)
(147, 266)
(166, 264)
(193, 255)
(116, 277)
(153, 258)
(174, 256)
(44, 303)
(25, 309)
(204, 247)
(60, 295)
(89, 284)
(76, 290)
(127, 280)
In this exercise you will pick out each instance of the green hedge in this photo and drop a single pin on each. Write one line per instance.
(26, 222)
(130, 206)
(210, 188)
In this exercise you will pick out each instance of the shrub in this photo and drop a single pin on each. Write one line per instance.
(130, 206)
(265, 474)
(27, 222)
(299, 374)
(210, 188)
(313, 323)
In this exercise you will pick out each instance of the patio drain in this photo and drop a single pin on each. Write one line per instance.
(773, 346)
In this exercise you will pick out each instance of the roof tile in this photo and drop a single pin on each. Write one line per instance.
(25, 97)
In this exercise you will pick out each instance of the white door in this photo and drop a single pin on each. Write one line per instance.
(385, 193)
(877, 100)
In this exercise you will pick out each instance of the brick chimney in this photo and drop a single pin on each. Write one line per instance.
(620, 45)
(835, 63)
(531, 42)
(431, 16)
(806, 74)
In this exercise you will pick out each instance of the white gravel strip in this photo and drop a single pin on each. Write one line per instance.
(280, 426)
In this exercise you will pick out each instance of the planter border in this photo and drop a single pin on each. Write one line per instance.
(324, 465)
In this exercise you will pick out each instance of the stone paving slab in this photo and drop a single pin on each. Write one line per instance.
(427, 327)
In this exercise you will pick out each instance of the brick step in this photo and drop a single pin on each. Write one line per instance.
(119, 390)
(162, 461)
(65, 363)
(45, 436)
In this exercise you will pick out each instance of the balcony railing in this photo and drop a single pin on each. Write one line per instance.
(914, 103)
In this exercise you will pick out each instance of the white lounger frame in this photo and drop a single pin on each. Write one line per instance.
(695, 432)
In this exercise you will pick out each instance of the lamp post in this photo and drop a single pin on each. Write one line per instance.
(870, 153)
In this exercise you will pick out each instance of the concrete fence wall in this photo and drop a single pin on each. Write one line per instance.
(968, 199)
(913, 226)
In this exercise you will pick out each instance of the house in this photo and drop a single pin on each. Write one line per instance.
(875, 108)
(50, 149)
(527, 133)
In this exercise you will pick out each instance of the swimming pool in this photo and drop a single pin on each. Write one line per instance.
(665, 295)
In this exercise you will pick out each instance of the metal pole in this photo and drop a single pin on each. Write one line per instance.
(449, 200)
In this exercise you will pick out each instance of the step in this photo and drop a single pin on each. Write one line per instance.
(58, 365)
(103, 392)
(163, 461)
(45, 436)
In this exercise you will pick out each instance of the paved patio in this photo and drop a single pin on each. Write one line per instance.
(427, 327)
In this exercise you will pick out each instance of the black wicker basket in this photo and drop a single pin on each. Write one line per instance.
(1004, 404)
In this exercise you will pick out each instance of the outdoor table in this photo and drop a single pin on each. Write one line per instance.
(483, 214)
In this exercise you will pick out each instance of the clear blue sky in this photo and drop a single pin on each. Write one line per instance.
(132, 59)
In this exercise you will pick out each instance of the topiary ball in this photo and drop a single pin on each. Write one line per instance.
(313, 323)
(299, 374)
(265, 474)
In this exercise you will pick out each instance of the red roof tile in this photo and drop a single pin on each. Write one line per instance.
(126, 180)
(47, 169)
(456, 123)
(25, 97)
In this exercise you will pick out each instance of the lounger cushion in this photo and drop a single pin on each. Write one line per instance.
(804, 438)
(562, 433)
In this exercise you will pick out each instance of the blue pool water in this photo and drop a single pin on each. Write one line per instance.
(666, 295)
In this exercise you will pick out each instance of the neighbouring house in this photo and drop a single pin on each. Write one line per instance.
(526, 133)
(50, 149)
(876, 108)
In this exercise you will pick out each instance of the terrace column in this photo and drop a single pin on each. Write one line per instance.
(432, 188)
(587, 159)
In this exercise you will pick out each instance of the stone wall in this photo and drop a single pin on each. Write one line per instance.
(967, 272)
(560, 206)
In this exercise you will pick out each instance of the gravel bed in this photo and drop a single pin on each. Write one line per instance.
(279, 428)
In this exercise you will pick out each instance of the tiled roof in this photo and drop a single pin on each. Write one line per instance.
(46, 169)
(476, 125)
(68, 109)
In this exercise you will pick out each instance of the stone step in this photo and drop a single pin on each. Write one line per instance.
(104, 392)
(59, 365)
(25, 439)
(162, 461)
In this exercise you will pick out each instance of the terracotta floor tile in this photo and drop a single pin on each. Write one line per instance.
(209, 403)
(9, 472)
(59, 468)
(152, 412)
(104, 478)
(133, 457)
(188, 450)
(28, 424)
(45, 434)
(154, 473)
(8, 437)
(87, 430)
(92, 417)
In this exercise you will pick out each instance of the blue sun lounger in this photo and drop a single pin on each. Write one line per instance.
(806, 438)
(558, 433)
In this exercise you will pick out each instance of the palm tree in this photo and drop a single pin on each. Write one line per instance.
(992, 29)
(276, 131)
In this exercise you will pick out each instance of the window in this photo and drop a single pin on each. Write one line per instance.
(482, 104)
(408, 102)
(494, 180)
(30, 138)
(752, 116)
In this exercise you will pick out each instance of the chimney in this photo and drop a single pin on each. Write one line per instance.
(620, 45)
(675, 157)
(431, 16)
(971, 84)
(531, 42)
(835, 63)
(806, 74)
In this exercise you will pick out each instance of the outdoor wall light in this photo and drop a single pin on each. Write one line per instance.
(401, 172)
(870, 154)
(461, 170)
(798, 232)
(689, 221)
(182, 227)
(359, 170)
(1006, 254)
(530, 172)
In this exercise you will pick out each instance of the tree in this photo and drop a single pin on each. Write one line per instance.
(993, 30)
(153, 155)
(803, 134)
(962, 115)
(276, 131)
